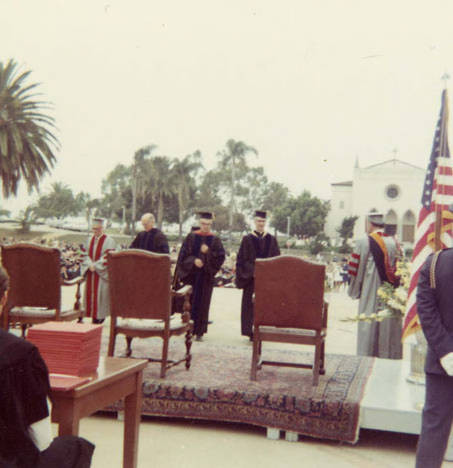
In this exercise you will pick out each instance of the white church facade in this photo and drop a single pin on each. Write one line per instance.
(393, 188)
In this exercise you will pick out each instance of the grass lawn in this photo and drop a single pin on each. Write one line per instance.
(21, 236)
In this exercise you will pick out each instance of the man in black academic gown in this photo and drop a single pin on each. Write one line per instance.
(257, 244)
(25, 430)
(201, 256)
(151, 239)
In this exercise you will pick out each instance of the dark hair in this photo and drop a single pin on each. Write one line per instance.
(4, 282)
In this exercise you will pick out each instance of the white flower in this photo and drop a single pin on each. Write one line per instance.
(401, 294)
(384, 313)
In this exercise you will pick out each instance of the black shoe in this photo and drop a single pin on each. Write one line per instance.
(199, 338)
(210, 322)
(98, 321)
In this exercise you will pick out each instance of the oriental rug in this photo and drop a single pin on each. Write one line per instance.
(218, 387)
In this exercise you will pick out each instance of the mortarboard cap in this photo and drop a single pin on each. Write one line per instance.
(376, 218)
(205, 215)
(260, 214)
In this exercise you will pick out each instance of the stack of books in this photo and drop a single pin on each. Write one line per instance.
(68, 348)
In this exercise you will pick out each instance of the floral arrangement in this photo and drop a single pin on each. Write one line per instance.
(392, 301)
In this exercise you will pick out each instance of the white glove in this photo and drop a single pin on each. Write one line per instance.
(447, 363)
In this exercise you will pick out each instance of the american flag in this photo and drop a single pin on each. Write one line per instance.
(437, 197)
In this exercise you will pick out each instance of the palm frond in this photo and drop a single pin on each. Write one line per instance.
(27, 131)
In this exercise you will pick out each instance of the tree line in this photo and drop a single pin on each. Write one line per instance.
(172, 188)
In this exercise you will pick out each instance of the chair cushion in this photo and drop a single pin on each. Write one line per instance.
(38, 312)
(290, 331)
(149, 324)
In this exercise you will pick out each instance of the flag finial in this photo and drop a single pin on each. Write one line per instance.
(445, 78)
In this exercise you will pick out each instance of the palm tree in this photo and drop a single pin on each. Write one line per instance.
(138, 178)
(233, 159)
(26, 218)
(85, 202)
(160, 183)
(26, 132)
(183, 172)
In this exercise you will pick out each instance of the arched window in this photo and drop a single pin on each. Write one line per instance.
(391, 223)
(408, 227)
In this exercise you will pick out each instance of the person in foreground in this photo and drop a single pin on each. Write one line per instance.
(201, 256)
(25, 430)
(94, 266)
(257, 244)
(435, 311)
(151, 238)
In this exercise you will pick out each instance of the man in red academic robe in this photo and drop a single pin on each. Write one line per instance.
(96, 298)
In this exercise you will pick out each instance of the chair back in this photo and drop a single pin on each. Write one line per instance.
(289, 292)
(35, 275)
(139, 284)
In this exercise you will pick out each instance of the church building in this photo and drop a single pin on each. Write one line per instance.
(392, 187)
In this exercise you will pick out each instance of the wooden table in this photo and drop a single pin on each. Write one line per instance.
(116, 378)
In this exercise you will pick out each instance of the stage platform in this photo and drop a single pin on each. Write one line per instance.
(386, 401)
(218, 387)
(356, 393)
(390, 402)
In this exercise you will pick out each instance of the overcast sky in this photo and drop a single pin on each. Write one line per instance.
(310, 84)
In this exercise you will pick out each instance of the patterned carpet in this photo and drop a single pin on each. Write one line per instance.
(218, 387)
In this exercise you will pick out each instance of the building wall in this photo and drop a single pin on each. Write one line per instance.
(392, 188)
(340, 208)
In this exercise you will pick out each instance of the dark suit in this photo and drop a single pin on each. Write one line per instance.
(435, 311)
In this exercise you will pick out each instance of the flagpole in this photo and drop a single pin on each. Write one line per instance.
(442, 150)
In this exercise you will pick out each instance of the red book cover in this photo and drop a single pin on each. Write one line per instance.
(67, 347)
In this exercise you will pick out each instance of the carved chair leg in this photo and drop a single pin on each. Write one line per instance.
(111, 349)
(163, 365)
(255, 356)
(77, 296)
(129, 346)
(188, 342)
(186, 306)
(5, 319)
(322, 369)
(316, 364)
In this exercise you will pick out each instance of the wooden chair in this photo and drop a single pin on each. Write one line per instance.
(140, 303)
(34, 294)
(289, 308)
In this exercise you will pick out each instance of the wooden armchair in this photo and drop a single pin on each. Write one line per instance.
(140, 303)
(34, 294)
(289, 308)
